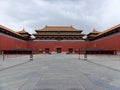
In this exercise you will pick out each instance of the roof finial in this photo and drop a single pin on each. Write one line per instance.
(94, 29)
(23, 29)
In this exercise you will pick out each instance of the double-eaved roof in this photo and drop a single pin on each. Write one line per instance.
(60, 32)
(58, 28)
(24, 33)
(94, 34)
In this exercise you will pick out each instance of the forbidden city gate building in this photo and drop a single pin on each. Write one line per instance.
(59, 34)
(60, 39)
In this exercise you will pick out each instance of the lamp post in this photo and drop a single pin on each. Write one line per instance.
(31, 57)
(85, 56)
(79, 53)
(3, 55)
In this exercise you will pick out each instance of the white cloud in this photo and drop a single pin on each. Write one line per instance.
(83, 14)
(111, 12)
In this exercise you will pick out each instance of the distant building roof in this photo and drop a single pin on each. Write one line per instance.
(9, 30)
(12, 33)
(24, 33)
(94, 32)
(59, 28)
(109, 30)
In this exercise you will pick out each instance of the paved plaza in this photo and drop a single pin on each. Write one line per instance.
(60, 72)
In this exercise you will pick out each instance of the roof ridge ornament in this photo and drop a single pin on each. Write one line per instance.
(23, 29)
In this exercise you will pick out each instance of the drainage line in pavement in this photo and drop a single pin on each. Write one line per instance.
(14, 66)
(104, 66)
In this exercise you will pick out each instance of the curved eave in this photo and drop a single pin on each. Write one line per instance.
(106, 34)
(110, 30)
(10, 32)
(22, 34)
(92, 34)
(57, 35)
(38, 31)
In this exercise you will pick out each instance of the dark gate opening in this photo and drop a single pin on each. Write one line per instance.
(47, 50)
(70, 50)
(58, 50)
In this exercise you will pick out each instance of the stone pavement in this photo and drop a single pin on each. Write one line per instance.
(12, 60)
(110, 61)
(59, 72)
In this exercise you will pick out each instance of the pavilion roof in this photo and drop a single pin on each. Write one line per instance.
(23, 32)
(94, 32)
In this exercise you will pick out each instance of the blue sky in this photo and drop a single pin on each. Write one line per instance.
(82, 14)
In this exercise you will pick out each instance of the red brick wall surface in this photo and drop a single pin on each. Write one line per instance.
(53, 45)
(10, 43)
(108, 43)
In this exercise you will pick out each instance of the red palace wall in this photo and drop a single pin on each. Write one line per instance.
(58, 44)
(108, 43)
(10, 43)
(111, 42)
